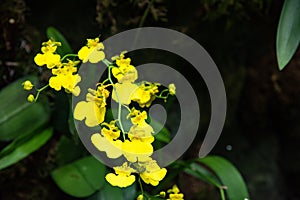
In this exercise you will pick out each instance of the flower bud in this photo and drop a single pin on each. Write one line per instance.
(30, 98)
(27, 85)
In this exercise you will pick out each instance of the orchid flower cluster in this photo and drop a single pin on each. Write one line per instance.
(135, 144)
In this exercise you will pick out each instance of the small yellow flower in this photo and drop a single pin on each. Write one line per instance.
(175, 193)
(176, 196)
(162, 194)
(112, 131)
(27, 85)
(48, 56)
(93, 109)
(64, 76)
(145, 94)
(140, 197)
(172, 89)
(153, 173)
(142, 133)
(125, 72)
(137, 117)
(50, 46)
(30, 98)
(174, 189)
(123, 177)
(92, 52)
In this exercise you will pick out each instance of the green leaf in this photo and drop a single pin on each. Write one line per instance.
(80, 178)
(202, 173)
(163, 134)
(31, 145)
(61, 110)
(288, 32)
(17, 116)
(109, 192)
(68, 151)
(228, 175)
(65, 47)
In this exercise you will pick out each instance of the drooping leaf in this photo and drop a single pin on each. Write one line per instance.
(65, 47)
(17, 116)
(80, 178)
(26, 148)
(288, 32)
(202, 173)
(228, 175)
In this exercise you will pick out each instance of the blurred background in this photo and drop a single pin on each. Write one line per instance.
(262, 131)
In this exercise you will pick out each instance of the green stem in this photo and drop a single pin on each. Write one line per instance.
(108, 64)
(141, 186)
(39, 91)
(129, 110)
(68, 55)
(105, 81)
(222, 193)
(146, 13)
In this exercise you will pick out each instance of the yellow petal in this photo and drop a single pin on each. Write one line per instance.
(52, 60)
(83, 54)
(137, 150)
(120, 180)
(142, 133)
(55, 82)
(89, 110)
(96, 56)
(153, 178)
(90, 54)
(112, 148)
(125, 91)
(39, 59)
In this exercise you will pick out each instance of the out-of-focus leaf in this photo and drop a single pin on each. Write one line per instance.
(229, 177)
(80, 178)
(288, 32)
(26, 148)
(162, 133)
(109, 192)
(17, 116)
(130, 192)
(65, 47)
(68, 151)
(60, 117)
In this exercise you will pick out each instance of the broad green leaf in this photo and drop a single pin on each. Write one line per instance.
(17, 116)
(21, 139)
(65, 47)
(68, 151)
(288, 32)
(80, 178)
(20, 152)
(109, 192)
(229, 177)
